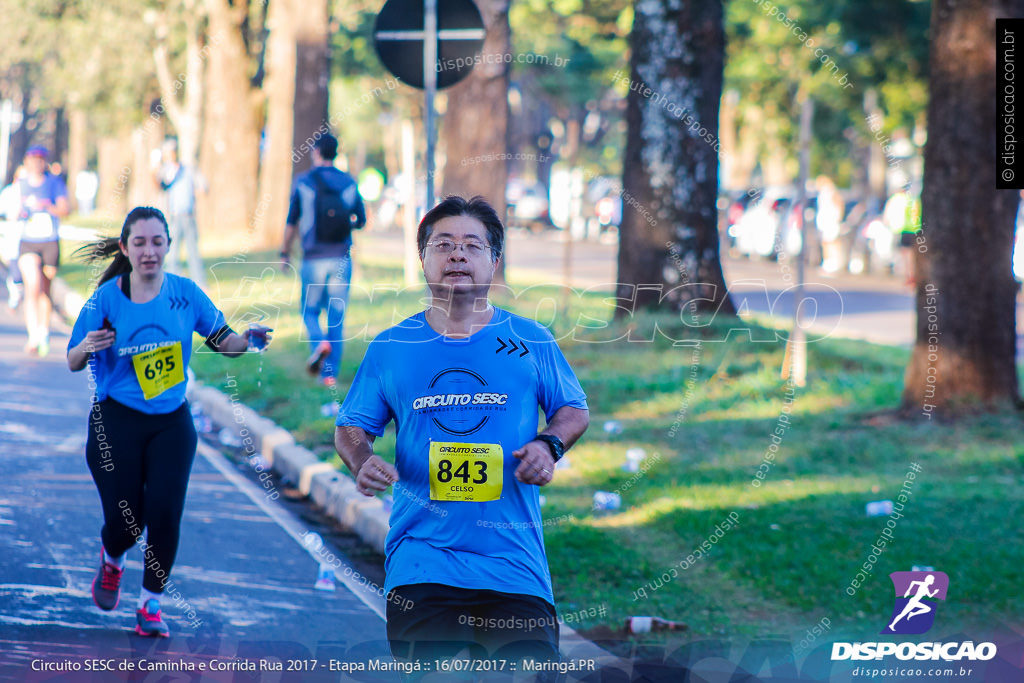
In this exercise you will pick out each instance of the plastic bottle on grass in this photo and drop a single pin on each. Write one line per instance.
(878, 508)
(634, 456)
(652, 624)
(325, 572)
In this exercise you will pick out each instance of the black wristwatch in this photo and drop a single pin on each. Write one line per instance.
(557, 447)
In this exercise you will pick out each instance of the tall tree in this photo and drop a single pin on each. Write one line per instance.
(233, 116)
(476, 119)
(835, 52)
(276, 169)
(296, 91)
(181, 94)
(966, 323)
(668, 244)
(312, 70)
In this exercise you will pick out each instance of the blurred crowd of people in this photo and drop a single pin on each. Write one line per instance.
(844, 234)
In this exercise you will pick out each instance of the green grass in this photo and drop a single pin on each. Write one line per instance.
(705, 416)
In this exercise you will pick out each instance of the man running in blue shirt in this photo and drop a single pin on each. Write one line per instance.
(463, 381)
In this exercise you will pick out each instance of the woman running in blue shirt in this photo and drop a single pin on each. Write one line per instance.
(134, 336)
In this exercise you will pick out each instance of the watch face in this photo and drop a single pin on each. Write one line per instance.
(557, 450)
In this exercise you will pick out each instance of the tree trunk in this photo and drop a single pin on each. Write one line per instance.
(311, 74)
(282, 105)
(114, 169)
(476, 122)
(22, 93)
(143, 191)
(668, 244)
(965, 351)
(185, 111)
(78, 151)
(231, 135)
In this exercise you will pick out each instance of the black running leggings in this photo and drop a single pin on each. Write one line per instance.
(141, 465)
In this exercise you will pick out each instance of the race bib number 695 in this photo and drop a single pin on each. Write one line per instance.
(159, 370)
(465, 471)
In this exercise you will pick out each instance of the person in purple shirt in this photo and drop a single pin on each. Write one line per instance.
(44, 201)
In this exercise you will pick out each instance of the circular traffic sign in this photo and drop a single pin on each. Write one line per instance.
(399, 39)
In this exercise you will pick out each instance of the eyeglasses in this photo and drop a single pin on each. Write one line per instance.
(470, 247)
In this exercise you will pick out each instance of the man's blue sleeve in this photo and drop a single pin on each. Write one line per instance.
(558, 386)
(365, 405)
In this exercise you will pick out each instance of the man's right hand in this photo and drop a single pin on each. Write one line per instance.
(375, 475)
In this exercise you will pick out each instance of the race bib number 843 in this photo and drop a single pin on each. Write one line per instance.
(159, 370)
(465, 471)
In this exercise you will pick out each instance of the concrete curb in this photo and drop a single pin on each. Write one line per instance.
(332, 490)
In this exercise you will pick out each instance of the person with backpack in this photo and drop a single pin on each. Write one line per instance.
(325, 208)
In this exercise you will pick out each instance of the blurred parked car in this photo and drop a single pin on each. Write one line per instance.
(602, 205)
(527, 205)
(767, 225)
(732, 208)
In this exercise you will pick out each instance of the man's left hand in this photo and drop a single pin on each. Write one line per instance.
(537, 466)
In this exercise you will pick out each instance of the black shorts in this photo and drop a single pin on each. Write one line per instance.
(49, 252)
(434, 621)
(909, 239)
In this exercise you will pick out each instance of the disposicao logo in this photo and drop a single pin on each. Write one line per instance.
(913, 613)
(916, 595)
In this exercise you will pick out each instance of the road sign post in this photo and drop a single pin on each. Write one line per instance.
(414, 39)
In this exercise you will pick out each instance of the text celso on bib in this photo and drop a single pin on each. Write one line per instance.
(159, 370)
(466, 471)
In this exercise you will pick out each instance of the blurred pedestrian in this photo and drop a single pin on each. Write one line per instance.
(135, 336)
(179, 183)
(829, 220)
(903, 216)
(43, 200)
(466, 546)
(325, 208)
(10, 208)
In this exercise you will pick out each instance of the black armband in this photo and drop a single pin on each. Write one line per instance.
(215, 339)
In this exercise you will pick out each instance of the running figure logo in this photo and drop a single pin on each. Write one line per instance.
(916, 593)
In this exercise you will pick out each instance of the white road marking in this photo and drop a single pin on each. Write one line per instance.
(289, 524)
